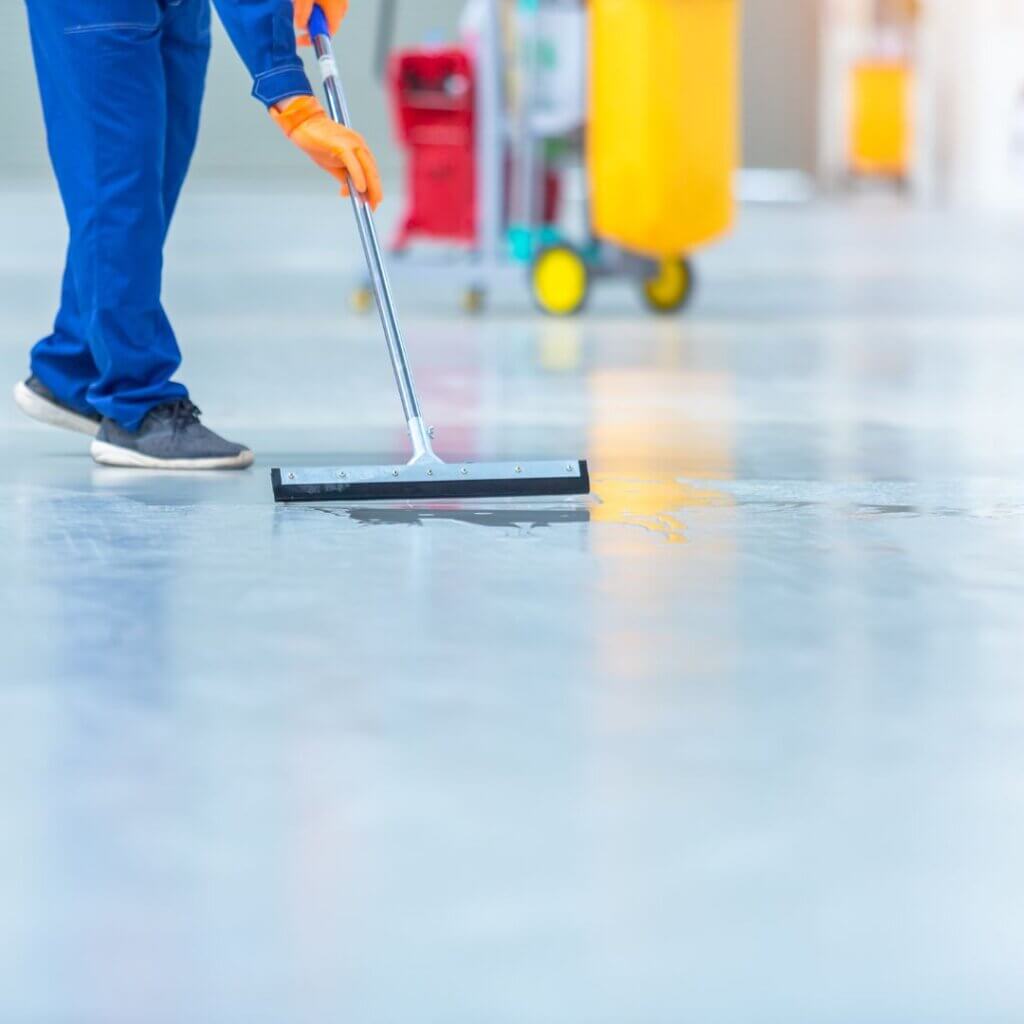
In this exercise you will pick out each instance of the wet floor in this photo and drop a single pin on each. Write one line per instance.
(740, 738)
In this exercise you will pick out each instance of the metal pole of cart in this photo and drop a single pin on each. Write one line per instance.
(490, 141)
(387, 16)
(525, 214)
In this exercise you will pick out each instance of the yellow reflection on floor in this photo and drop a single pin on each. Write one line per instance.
(652, 501)
(559, 346)
(646, 435)
(661, 431)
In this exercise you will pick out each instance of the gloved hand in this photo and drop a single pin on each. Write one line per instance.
(334, 9)
(330, 145)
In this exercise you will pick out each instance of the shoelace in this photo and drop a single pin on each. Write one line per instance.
(181, 414)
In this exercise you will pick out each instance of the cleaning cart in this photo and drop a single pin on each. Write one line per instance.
(635, 98)
(433, 100)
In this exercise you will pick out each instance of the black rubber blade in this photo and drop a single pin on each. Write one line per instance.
(419, 483)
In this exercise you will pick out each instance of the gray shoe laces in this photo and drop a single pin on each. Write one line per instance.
(181, 414)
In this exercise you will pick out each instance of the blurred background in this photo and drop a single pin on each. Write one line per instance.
(806, 67)
(737, 739)
(919, 102)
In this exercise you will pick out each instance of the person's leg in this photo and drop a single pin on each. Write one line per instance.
(102, 80)
(63, 360)
(186, 54)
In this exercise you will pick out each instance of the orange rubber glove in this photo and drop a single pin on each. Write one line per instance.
(334, 9)
(338, 150)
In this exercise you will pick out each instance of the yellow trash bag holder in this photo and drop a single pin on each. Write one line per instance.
(881, 118)
(663, 123)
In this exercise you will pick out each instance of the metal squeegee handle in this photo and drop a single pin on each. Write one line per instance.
(320, 33)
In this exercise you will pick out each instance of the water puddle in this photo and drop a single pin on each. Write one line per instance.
(652, 501)
(518, 518)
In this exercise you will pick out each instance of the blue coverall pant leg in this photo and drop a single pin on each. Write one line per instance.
(122, 85)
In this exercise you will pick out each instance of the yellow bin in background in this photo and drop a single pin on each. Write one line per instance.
(881, 124)
(663, 135)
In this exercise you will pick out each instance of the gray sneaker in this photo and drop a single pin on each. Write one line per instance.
(170, 437)
(35, 399)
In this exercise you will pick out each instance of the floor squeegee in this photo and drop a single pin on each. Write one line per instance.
(425, 476)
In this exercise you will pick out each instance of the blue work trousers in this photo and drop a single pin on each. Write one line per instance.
(121, 84)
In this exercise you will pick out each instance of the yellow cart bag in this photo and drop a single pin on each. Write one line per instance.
(881, 125)
(663, 136)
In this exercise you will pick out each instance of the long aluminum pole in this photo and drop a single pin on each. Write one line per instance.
(338, 108)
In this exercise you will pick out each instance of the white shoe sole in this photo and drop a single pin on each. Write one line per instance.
(51, 414)
(111, 455)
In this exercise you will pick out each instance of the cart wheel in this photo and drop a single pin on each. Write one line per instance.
(560, 280)
(671, 287)
(361, 300)
(473, 300)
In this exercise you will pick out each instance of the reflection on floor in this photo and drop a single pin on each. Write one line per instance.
(739, 738)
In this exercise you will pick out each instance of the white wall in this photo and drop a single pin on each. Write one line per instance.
(975, 84)
(781, 43)
(238, 140)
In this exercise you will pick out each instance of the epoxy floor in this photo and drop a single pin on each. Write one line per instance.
(741, 739)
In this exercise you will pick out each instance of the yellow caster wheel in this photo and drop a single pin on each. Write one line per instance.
(560, 280)
(671, 286)
(361, 300)
(473, 300)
